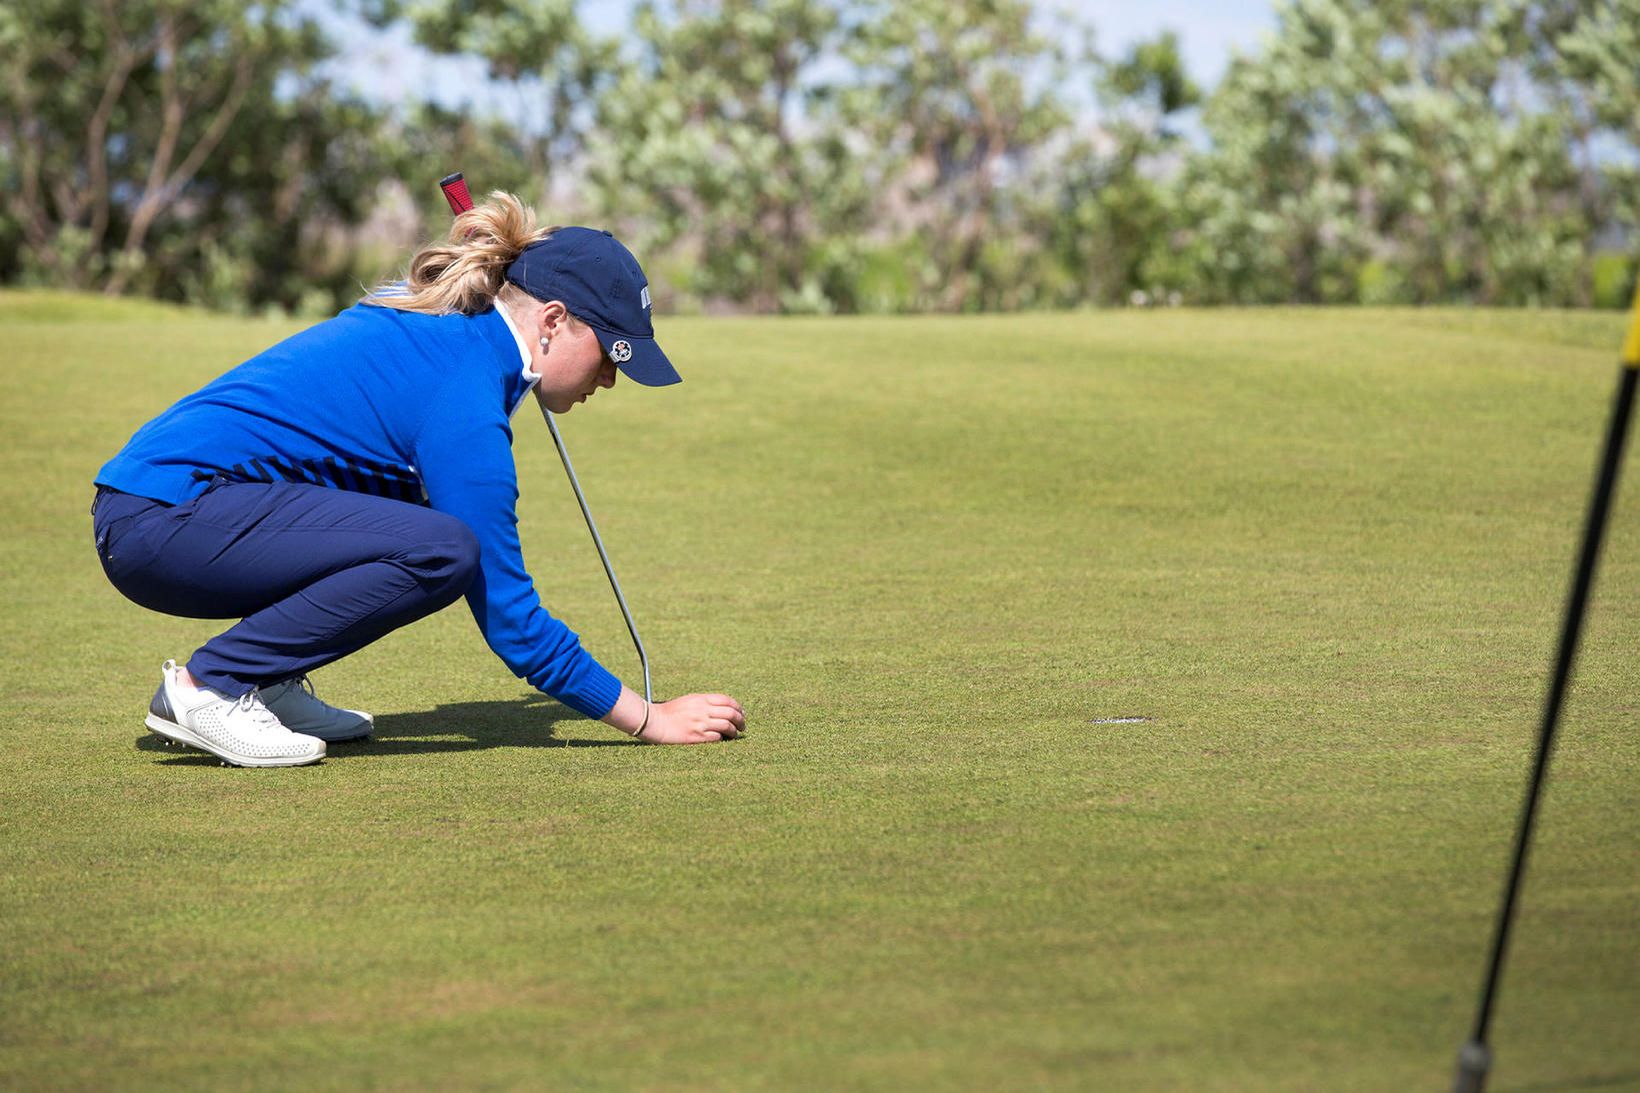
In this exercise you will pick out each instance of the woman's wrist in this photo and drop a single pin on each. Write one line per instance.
(630, 714)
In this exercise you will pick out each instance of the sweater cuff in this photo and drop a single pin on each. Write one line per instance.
(593, 693)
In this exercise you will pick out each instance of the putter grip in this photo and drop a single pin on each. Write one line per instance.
(455, 192)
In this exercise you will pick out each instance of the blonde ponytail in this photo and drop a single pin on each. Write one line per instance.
(466, 272)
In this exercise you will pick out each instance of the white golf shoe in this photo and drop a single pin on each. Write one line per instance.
(240, 731)
(294, 703)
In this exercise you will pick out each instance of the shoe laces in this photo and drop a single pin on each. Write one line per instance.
(294, 685)
(250, 705)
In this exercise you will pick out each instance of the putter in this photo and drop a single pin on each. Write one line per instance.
(455, 192)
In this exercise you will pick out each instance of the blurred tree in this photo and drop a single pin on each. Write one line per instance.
(952, 97)
(1588, 53)
(275, 221)
(1467, 171)
(435, 140)
(713, 146)
(135, 137)
(840, 154)
(540, 58)
(1395, 151)
(1104, 203)
(1594, 45)
(1267, 212)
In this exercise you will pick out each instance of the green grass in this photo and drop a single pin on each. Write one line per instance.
(1324, 552)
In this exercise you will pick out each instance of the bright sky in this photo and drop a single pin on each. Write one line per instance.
(1209, 30)
(389, 67)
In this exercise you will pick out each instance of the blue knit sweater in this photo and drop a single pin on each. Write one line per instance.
(397, 404)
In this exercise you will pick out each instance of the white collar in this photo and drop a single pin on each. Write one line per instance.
(531, 377)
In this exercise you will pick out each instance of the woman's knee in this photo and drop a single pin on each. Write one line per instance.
(447, 559)
(465, 555)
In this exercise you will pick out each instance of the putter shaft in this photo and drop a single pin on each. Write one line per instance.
(460, 200)
(609, 570)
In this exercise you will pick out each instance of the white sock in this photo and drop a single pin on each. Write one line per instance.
(189, 690)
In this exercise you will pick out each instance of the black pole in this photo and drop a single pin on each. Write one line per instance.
(1475, 1057)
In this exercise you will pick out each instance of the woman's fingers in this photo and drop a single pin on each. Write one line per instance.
(724, 700)
(725, 706)
(717, 728)
(731, 715)
(700, 719)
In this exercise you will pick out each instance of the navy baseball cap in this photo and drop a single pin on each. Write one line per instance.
(601, 284)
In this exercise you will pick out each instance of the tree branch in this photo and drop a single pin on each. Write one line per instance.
(159, 164)
(215, 131)
(96, 133)
(163, 182)
(171, 117)
(36, 228)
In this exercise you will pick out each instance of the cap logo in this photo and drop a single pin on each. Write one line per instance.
(621, 352)
(643, 297)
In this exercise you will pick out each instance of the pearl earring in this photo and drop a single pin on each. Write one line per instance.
(543, 343)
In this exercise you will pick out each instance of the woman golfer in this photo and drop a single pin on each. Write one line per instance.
(359, 475)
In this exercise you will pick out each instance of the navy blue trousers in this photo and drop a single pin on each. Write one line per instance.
(312, 573)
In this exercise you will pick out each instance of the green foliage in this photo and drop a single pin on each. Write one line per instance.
(841, 155)
(434, 141)
(708, 147)
(950, 99)
(275, 218)
(1614, 277)
(1153, 76)
(1104, 205)
(180, 150)
(1378, 283)
(540, 52)
(1591, 60)
(1410, 133)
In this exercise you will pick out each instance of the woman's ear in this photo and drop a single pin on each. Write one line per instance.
(551, 318)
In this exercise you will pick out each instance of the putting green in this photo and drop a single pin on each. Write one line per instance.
(1322, 552)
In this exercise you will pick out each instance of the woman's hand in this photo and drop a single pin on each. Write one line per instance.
(695, 719)
(690, 719)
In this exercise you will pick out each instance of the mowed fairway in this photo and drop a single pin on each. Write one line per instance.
(1323, 553)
